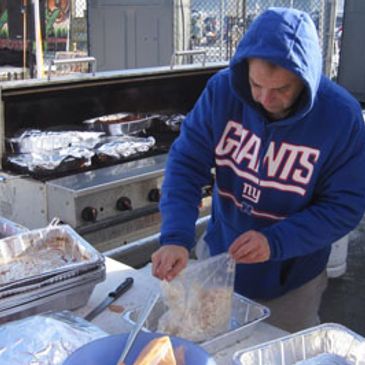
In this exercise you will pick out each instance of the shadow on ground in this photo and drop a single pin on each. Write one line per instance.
(344, 300)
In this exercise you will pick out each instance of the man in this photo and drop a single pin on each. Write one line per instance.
(288, 148)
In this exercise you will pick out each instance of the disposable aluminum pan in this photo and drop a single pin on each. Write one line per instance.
(27, 293)
(332, 339)
(9, 228)
(67, 299)
(120, 123)
(38, 255)
(246, 314)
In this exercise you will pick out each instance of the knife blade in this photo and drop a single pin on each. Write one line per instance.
(111, 297)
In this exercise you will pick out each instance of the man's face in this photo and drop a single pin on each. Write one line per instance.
(274, 88)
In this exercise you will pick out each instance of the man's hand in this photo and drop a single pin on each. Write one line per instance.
(250, 248)
(168, 261)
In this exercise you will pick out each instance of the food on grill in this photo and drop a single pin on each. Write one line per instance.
(203, 313)
(159, 351)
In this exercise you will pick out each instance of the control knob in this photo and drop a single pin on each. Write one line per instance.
(124, 203)
(154, 195)
(89, 214)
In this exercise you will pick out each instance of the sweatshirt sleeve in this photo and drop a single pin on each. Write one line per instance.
(188, 169)
(337, 205)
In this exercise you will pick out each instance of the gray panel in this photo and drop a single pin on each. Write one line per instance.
(351, 72)
(129, 34)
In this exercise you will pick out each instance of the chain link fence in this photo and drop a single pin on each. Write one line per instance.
(218, 25)
(211, 26)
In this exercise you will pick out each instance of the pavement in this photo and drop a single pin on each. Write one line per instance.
(344, 300)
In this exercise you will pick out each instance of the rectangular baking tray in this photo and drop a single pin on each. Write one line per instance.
(329, 338)
(18, 252)
(39, 290)
(246, 314)
(68, 299)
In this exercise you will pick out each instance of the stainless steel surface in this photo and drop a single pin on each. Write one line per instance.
(70, 61)
(138, 252)
(324, 339)
(151, 301)
(246, 314)
(111, 297)
(101, 189)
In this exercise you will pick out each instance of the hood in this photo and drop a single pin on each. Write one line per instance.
(287, 38)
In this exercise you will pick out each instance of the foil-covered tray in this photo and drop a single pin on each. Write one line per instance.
(9, 228)
(37, 141)
(123, 147)
(40, 254)
(45, 339)
(245, 316)
(121, 123)
(331, 339)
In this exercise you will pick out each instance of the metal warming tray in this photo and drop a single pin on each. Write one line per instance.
(120, 123)
(9, 228)
(246, 314)
(39, 255)
(333, 339)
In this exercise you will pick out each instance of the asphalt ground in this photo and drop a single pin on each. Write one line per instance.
(344, 299)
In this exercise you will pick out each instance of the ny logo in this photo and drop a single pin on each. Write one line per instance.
(251, 193)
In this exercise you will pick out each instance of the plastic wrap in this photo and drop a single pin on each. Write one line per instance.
(199, 299)
(46, 339)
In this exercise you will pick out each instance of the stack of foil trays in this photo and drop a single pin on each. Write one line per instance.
(46, 269)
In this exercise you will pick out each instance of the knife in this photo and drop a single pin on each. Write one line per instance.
(112, 296)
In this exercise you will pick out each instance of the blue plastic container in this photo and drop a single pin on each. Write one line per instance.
(107, 350)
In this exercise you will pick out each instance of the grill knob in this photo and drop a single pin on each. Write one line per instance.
(124, 203)
(154, 195)
(89, 214)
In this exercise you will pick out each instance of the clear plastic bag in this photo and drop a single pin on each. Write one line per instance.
(199, 299)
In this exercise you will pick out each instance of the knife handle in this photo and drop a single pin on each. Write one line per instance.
(122, 288)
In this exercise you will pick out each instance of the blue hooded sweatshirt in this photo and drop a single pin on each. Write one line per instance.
(299, 180)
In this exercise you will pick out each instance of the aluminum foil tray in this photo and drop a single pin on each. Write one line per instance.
(69, 298)
(9, 228)
(333, 339)
(40, 254)
(17, 296)
(45, 339)
(246, 314)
